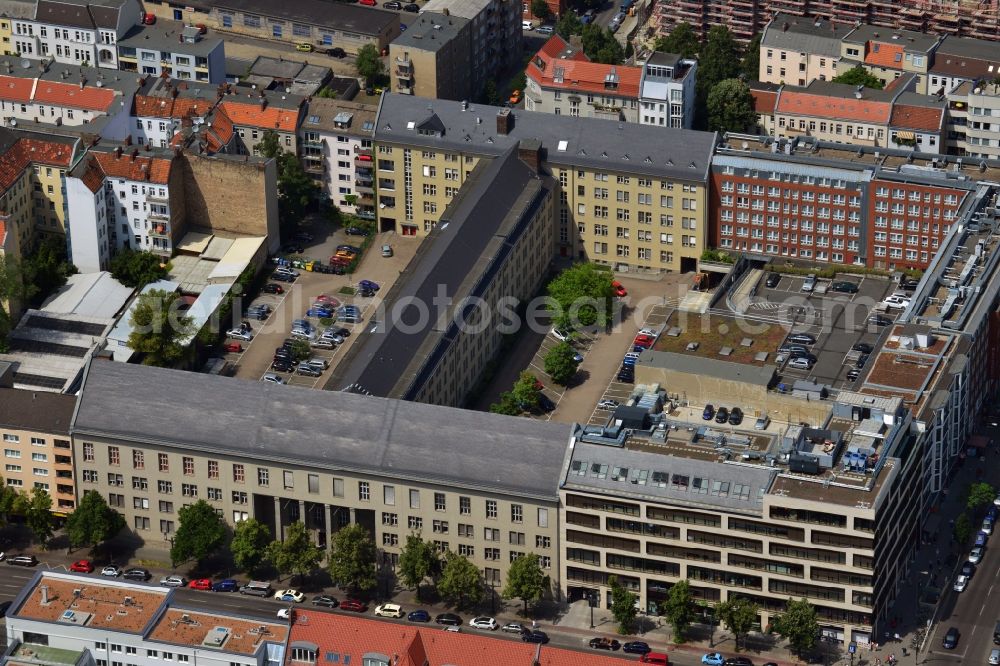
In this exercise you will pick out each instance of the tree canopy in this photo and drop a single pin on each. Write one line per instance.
(561, 364)
(461, 581)
(200, 532)
(582, 296)
(540, 9)
(416, 561)
(622, 606)
(137, 268)
(525, 580)
(739, 615)
(36, 508)
(369, 63)
(678, 609)
(859, 76)
(352, 562)
(730, 107)
(92, 522)
(526, 392)
(682, 40)
(980, 495)
(158, 327)
(600, 45)
(799, 625)
(568, 24)
(46, 268)
(249, 544)
(963, 528)
(297, 554)
(719, 59)
(750, 64)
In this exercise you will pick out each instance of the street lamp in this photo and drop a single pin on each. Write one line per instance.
(592, 601)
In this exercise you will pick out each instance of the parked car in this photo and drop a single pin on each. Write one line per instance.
(336, 52)
(950, 640)
(772, 280)
(293, 596)
(545, 29)
(412, 7)
(273, 288)
(896, 302)
(271, 378)
(738, 661)
(386, 250)
(324, 600)
(233, 347)
(239, 334)
(880, 320)
(285, 613)
(82, 566)
(137, 573)
(357, 231)
(389, 610)
(513, 628)
(844, 287)
(736, 416)
(713, 659)
(608, 404)
(111, 571)
(419, 615)
(449, 619)
(225, 585)
(800, 363)
(483, 622)
(853, 374)
(961, 583)
(860, 363)
(968, 569)
(626, 376)
(393, 5)
(802, 338)
(809, 284)
(292, 248)
(792, 348)
(535, 637)
(561, 336)
(319, 313)
(636, 647)
(722, 415)
(987, 527)
(304, 46)
(353, 605)
(173, 581)
(862, 347)
(708, 413)
(307, 370)
(762, 423)
(604, 644)
(618, 288)
(368, 284)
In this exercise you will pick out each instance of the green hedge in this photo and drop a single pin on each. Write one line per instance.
(831, 272)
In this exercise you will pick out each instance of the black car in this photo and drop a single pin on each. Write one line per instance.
(272, 288)
(279, 277)
(626, 376)
(419, 615)
(366, 293)
(605, 644)
(292, 248)
(860, 363)
(535, 637)
(137, 573)
(342, 332)
(950, 640)
(803, 354)
(737, 661)
(545, 404)
(412, 7)
(863, 347)
(853, 374)
(282, 365)
(909, 284)
(325, 600)
(303, 237)
(968, 569)
(449, 619)
(356, 231)
(880, 320)
(722, 415)
(736, 416)
(336, 52)
(844, 287)
(789, 349)
(392, 4)
(772, 281)
(636, 647)
(802, 338)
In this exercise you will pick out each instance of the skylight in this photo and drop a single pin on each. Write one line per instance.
(562, 146)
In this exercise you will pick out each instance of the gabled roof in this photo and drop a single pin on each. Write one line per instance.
(64, 13)
(26, 151)
(821, 106)
(804, 35)
(134, 165)
(171, 107)
(219, 131)
(250, 114)
(16, 89)
(764, 98)
(431, 124)
(87, 97)
(890, 56)
(905, 116)
(556, 66)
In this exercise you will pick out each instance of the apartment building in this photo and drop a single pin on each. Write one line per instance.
(316, 22)
(75, 618)
(895, 116)
(800, 49)
(433, 58)
(172, 49)
(10, 10)
(962, 59)
(123, 199)
(37, 452)
(888, 54)
(164, 107)
(251, 113)
(492, 246)
(76, 32)
(336, 140)
(667, 90)
(353, 459)
(827, 202)
(972, 108)
(68, 96)
(647, 183)
(562, 80)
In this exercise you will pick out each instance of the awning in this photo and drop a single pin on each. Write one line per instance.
(906, 136)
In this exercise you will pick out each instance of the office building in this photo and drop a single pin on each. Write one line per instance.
(173, 49)
(667, 90)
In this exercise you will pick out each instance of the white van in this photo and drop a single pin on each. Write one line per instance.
(525, 25)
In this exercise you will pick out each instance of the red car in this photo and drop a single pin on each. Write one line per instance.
(200, 584)
(619, 289)
(337, 260)
(353, 605)
(82, 566)
(643, 340)
(234, 347)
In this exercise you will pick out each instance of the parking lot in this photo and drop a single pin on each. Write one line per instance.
(582, 342)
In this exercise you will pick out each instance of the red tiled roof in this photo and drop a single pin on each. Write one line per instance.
(352, 637)
(15, 89)
(249, 114)
(916, 117)
(92, 176)
(171, 107)
(221, 131)
(764, 100)
(579, 74)
(839, 108)
(134, 167)
(27, 151)
(885, 56)
(65, 94)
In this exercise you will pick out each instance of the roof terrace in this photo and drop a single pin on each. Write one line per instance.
(217, 632)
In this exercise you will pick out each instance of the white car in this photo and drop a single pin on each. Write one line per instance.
(896, 302)
(648, 331)
(389, 610)
(111, 571)
(976, 555)
(290, 595)
(561, 336)
(994, 656)
(239, 334)
(271, 378)
(987, 527)
(762, 423)
(608, 404)
(285, 270)
(487, 623)
(285, 614)
(809, 283)
(173, 581)
(961, 583)
(996, 501)
(800, 363)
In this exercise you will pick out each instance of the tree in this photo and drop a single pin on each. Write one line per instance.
(46, 268)
(581, 296)
(622, 606)
(568, 24)
(963, 528)
(249, 545)
(525, 580)
(526, 392)
(200, 532)
(750, 64)
(352, 562)
(798, 624)
(92, 522)
(36, 508)
(490, 94)
(600, 45)
(137, 268)
(506, 405)
(270, 145)
(730, 107)
(980, 495)
(369, 63)
(416, 561)
(859, 76)
(561, 363)
(519, 82)
(296, 191)
(682, 40)
(297, 554)
(158, 328)
(461, 581)
(8, 499)
(678, 609)
(739, 614)
(719, 59)
(540, 10)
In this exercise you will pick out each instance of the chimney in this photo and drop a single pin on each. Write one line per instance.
(135, 153)
(118, 152)
(263, 103)
(45, 592)
(83, 82)
(576, 41)
(529, 151)
(784, 27)
(505, 121)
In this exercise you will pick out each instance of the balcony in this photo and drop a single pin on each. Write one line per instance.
(365, 213)
(152, 197)
(312, 166)
(364, 186)
(364, 161)
(160, 230)
(360, 150)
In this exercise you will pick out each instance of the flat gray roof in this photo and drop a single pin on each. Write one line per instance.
(165, 37)
(327, 430)
(660, 477)
(566, 140)
(700, 365)
(320, 13)
(804, 35)
(39, 411)
(464, 8)
(968, 47)
(915, 42)
(321, 112)
(430, 31)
